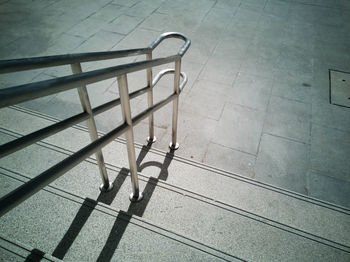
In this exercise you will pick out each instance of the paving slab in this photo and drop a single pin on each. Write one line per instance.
(124, 24)
(289, 119)
(277, 8)
(101, 41)
(283, 161)
(156, 22)
(329, 188)
(142, 9)
(298, 73)
(251, 91)
(125, 2)
(330, 149)
(239, 128)
(208, 102)
(87, 27)
(259, 66)
(230, 159)
(109, 12)
(292, 89)
(227, 4)
(294, 58)
(64, 44)
(331, 116)
(253, 5)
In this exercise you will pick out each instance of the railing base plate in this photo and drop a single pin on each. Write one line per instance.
(173, 147)
(151, 140)
(134, 198)
(104, 189)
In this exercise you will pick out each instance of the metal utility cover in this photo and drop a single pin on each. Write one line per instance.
(339, 88)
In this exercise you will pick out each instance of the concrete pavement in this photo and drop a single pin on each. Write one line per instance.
(257, 101)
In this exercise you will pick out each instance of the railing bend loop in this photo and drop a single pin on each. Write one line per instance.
(170, 71)
(164, 36)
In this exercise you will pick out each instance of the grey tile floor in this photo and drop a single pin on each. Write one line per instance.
(257, 101)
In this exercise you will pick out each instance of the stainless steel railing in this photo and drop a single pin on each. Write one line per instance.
(79, 80)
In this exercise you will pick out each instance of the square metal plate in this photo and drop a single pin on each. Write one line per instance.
(339, 85)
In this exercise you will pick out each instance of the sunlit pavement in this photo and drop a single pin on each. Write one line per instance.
(257, 101)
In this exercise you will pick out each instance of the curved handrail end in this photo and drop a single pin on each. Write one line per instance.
(178, 35)
(170, 71)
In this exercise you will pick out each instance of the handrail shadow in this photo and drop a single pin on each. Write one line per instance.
(137, 208)
(84, 213)
(122, 220)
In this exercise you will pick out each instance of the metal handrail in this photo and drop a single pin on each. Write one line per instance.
(15, 65)
(23, 93)
(164, 36)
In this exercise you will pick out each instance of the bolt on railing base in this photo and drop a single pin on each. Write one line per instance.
(173, 147)
(151, 140)
(136, 198)
(106, 189)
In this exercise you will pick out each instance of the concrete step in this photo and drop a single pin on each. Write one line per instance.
(236, 216)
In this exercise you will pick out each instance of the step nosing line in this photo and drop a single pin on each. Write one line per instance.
(204, 166)
(216, 171)
(13, 252)
(14, 243)
(24, 247)
(226, 207)
(132, 219)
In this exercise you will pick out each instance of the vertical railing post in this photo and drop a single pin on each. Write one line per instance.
(173, 144)
(151, 138)
(85, 103)
(136, 195)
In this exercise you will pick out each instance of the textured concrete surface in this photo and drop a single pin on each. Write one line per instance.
(256, 68)
(11, 250)
(257, 101)
(186, 213)
(78, 230)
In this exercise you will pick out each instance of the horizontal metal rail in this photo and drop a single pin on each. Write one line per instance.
(45, 132)
(15, 65)
(18, 94)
